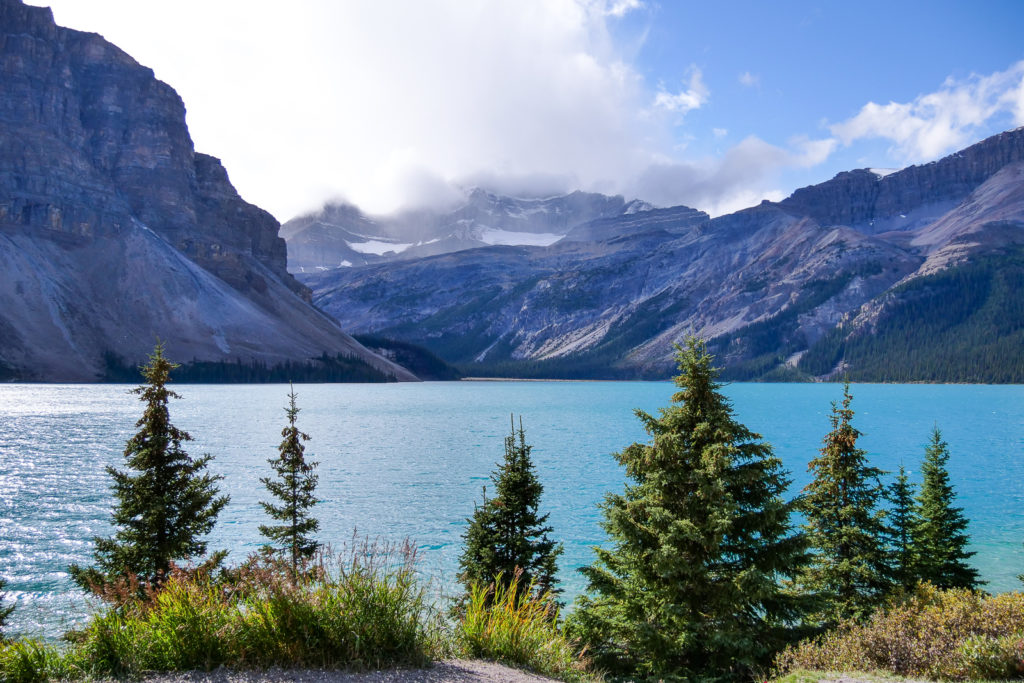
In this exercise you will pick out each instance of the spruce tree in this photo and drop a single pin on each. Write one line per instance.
(694, 583)
(165, 501)
(902, 519)
(850, 569)
(939, 532)
(294, 488)
(5, 611)
(506, 535)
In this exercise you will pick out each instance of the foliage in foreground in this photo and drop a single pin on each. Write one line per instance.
(939, 535)
(366, 611)
(846, 524)
(5, 610)
(950, 635)
(703, 543)
(31, 661)
(166, 502)
(294, 488)
(500, 624)
(506, 536)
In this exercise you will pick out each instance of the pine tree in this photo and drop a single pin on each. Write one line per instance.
(938, 534)
(165, 502)
(902, 519)
(5, 612)
(506, 536)
(850, 570)
(294, 487)
(693, 585)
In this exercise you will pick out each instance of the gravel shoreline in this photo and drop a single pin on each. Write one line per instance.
(453, 670)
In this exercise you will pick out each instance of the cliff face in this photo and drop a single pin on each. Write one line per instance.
(862, 198)
(98, 174)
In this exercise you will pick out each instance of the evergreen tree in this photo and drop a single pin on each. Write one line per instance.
(506, 534)
(165, 502)
(902, 519)
(294, 487)
(5, 612)
(850, 569)
(694, 584)
(938, 534)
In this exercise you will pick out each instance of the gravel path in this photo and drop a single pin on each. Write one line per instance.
(454, 670)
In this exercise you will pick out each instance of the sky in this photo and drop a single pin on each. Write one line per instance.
(398, 104)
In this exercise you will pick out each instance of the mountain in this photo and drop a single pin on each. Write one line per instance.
(115, 232)
(899, 276)
(341, 236)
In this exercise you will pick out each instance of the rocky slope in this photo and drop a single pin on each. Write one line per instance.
(768, 285)
(341, 236)
(114, 232)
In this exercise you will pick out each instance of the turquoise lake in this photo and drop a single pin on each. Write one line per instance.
(409, 460)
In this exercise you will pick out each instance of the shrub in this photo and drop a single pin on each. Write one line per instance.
(361, 611)
(952, 635)
(499, 624)
(29, 661)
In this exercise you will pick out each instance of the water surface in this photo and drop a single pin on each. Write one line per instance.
(409, 460)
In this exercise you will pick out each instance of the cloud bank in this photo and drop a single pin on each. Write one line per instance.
(942, 121)
(394, 105)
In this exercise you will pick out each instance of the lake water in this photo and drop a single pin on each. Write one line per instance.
(409, 460)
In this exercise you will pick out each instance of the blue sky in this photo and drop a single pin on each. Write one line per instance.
(400, 103)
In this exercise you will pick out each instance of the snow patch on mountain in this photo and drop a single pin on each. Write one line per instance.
(379, 248)
(494, 236)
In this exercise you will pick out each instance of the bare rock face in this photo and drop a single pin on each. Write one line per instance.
(862, 198)
(114, 231)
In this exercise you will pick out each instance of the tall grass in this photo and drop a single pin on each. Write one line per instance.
(365, 610)
(521, 629)
(359, 609)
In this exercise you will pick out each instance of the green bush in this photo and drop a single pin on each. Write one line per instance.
(367, 611)
(502, 626)
(950, 635)
(29, 661)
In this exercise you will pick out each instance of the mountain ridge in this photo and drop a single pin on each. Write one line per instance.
(765, 284)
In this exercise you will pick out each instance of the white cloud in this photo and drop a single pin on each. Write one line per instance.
(811, 152)
(742, 177)
(379, 102)
(694, 96)
(748, 79)
(719, 132)
(940, 122)
(620, 8)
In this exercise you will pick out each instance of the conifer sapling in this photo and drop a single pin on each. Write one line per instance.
(506, 536)
(295, 488)
(850, 569)
(939, 532)
(693, 585)
(5, 611)
(902, 519)
(165, 502)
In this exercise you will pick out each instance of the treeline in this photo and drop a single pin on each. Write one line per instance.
(963, 324)
(416, 359)
(706, 574)
(326, 368)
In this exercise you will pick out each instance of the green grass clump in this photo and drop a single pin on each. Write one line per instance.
(32, 661)
(368, 611)
(522, 630)
(947, 635)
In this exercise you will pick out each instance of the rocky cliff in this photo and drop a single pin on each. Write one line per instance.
(114, 231)
(770, 285)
